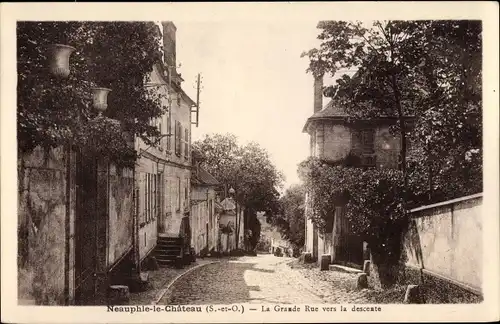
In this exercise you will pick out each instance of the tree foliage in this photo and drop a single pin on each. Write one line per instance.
(430, 70)
(290, 221)
(115, 55)
(373, 205)
(246, 168)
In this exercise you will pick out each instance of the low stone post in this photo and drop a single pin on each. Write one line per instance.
(153, 264)
(118, 295)
(366, 267)
(307, 257)
(362, 281)
(325, 262)
(413, 295)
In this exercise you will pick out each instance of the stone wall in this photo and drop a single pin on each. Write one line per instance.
(202, 199)
(43, 204)
(337, 142)
(121, 212)
(445, 240)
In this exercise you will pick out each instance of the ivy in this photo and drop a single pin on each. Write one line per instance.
(53, 112)
(371, 196)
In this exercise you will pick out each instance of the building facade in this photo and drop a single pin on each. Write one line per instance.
(231, 226)
(163, 171)
(333, 138)
(204, 212)
(82, 219)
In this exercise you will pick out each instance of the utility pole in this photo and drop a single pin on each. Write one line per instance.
(198, 89)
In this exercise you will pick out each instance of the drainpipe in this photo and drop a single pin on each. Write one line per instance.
(135, 230)
(67, 233)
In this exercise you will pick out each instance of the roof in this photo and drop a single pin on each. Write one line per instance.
(164, 74)
(330, 111)
(202, 177)
(206, 178)
(333, 111)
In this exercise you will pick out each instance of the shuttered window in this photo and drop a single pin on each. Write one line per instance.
(178, 138)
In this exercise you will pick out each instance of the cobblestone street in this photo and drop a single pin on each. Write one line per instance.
(264, 279)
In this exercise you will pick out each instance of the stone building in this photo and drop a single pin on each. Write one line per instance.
(231, 218)
(163, 170)
(332, 138)
(204, 214)
(82, 219)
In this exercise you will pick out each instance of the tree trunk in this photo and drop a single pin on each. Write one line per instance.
(386, 258)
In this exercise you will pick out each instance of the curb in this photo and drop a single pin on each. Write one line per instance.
(162, 292)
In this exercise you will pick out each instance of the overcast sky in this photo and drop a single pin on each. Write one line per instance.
(255, 83)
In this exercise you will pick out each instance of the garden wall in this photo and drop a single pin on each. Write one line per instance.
(444, 243)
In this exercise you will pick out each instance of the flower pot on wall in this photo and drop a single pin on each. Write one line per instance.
(100, 99)
(59, 59)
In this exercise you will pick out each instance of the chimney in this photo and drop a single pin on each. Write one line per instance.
(169, 31)
(318, 92)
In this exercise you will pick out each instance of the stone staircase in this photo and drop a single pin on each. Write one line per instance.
(168, 251)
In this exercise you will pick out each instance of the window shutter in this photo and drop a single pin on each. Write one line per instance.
(169, 128)
(186, 143)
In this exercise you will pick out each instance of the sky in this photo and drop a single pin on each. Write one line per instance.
(254, 83)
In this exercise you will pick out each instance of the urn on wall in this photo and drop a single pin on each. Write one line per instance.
(100, 99)
(59, 59)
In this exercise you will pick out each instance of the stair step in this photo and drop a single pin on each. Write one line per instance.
(173, 246)
(167, 259)
(170, 239)
(167, 253)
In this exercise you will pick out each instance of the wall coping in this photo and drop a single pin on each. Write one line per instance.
(448, 202)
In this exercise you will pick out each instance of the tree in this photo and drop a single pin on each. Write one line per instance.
(248, 169)
(116, 55)
(373, 205)
(430, 70)
(290, 221)
(427, 70)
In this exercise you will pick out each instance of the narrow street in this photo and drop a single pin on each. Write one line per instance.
(260, 279)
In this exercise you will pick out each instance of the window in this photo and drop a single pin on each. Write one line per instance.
(160, 140)
(363, 141)
(146, 198)
(367, 141)
(178, 138)
(186, 143)
(363, 145)
(151, 197)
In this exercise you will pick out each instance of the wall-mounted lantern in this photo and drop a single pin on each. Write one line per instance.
(59, 59)
(100, 99)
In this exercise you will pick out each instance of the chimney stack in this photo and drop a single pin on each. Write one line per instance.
(169, 39)
(318, 92)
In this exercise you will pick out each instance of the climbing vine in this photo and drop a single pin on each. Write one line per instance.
(371, 196)
(52, 112)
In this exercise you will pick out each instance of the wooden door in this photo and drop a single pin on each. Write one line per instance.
(86, 231)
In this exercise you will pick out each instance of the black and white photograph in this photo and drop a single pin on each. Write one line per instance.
(262, 167)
